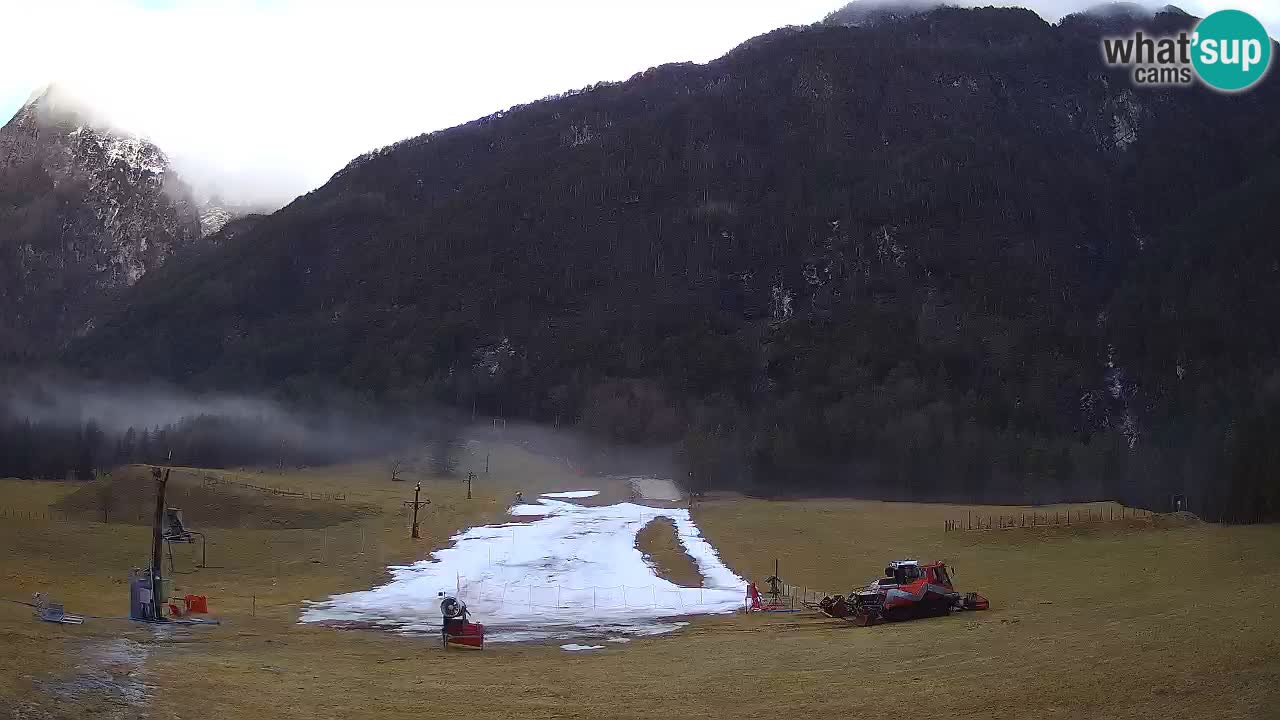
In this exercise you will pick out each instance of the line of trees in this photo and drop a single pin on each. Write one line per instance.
(33, 450)
(50, 450)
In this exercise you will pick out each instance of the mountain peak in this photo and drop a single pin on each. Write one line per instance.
(100, 208)
(51, 104)
(37, 94)
(862, 13)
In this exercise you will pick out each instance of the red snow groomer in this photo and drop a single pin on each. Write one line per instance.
(907, 591)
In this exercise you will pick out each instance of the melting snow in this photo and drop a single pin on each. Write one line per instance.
(575, 647)
(530, 510)
(573, 572)
(572, 494)
(655, 489)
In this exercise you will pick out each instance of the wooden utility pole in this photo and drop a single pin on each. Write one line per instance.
(417, 488)
(157, 580)
(470, 476)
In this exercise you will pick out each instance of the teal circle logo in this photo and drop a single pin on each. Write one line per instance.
(1230, 50)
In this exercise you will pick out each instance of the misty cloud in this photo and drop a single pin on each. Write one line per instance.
(116, 408)
(331, 432)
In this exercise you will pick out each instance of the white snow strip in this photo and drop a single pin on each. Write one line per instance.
(528, 510)
(575, 647)
(572, 494)
(574, 572)
(618, 640)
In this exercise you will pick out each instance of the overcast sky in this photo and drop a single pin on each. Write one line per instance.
(269, 98)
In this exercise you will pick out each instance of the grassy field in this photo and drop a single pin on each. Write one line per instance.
(1117, 620)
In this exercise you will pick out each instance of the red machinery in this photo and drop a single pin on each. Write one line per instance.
(908, 591)
(455, 629)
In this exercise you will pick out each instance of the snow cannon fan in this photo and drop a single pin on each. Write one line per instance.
(453, 609)
(455, 630)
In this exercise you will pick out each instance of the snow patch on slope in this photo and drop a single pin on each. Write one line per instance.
(574, 572)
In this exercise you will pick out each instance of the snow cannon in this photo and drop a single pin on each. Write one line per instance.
(455, 629)
(908, 590)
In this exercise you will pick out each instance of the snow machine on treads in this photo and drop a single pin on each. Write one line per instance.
(455, 629)
(907, 591)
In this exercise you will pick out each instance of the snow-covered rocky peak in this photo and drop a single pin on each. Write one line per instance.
(88, 140)
(213, 218)
(101, 207)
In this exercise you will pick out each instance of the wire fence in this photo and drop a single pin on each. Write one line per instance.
(44, 515)
(1035, 519)
(791, 597)
(211, 482)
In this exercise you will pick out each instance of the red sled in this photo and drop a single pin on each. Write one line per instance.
(458, 633)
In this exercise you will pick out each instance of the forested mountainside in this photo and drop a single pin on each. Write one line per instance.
(944, 256)
(85, 210)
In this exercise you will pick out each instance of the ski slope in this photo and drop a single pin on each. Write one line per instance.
(566, 571)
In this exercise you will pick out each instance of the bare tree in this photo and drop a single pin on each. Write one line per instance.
(106, 496)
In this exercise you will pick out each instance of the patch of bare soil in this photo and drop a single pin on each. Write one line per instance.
(661, 547)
